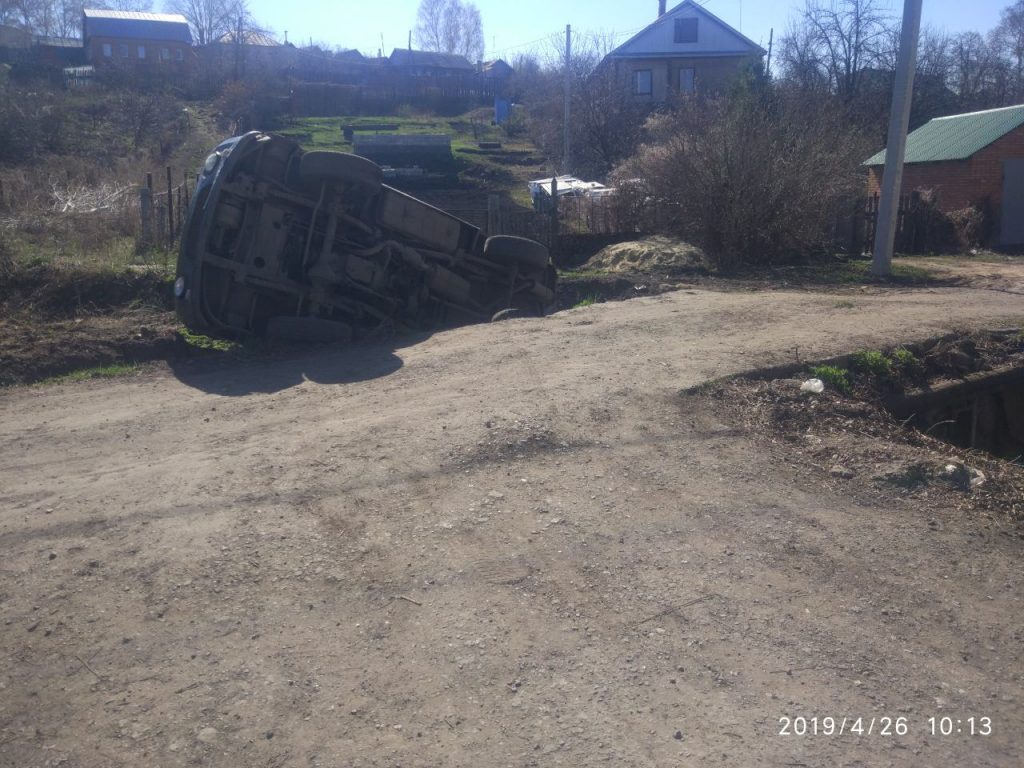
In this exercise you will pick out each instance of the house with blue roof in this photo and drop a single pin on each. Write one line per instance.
(139, 40)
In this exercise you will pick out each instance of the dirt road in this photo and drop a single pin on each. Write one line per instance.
(506, 544)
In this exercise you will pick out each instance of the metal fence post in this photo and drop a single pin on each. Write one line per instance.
(554, 216)
(170, 210)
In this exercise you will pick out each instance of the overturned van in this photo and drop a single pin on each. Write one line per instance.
(314, 246)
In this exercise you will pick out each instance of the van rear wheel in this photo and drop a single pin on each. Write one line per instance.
(341, 166)
(519, 251)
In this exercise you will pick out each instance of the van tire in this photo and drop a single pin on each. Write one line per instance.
(341, 166)
(519, 251)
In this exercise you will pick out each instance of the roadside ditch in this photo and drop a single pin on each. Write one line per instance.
(933, 422)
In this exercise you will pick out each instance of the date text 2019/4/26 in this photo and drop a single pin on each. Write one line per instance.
(883, 726)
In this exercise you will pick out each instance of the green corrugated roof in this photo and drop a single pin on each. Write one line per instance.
(956, 137)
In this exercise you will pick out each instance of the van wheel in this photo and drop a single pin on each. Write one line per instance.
(341, 166)
(506, 249)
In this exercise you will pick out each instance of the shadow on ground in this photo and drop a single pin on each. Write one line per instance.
(231, 375)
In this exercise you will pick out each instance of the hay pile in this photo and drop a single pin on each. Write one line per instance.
(655, 253)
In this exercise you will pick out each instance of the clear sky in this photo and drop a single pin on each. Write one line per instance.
(512, 26)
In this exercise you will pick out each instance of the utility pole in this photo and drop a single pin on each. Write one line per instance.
(566, 147)
(768, 62)
(899, 119)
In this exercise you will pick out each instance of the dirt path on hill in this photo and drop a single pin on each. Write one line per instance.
(507, 544)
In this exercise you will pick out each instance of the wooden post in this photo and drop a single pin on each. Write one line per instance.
(146, 213)
(161, 226)
(494, 215)
(170, 210)
(554, 216)
(185, 176)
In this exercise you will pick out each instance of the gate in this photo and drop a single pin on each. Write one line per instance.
(1012, 220)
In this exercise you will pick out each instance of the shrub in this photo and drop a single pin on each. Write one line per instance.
(871, 361)
(832, 376)
(249, 105)
(6, 256)
(904, 358)
(973, 225)
(753, 179)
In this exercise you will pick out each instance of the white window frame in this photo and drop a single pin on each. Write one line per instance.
(679, 27)
(636, 82)
(687, 82)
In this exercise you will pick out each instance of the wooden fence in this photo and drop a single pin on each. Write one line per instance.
(913, 225)
(162, 211)
(579, 225)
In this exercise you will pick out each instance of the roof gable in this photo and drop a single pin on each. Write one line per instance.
(171, 27)
(714, 37)
(957, 137)
(406, 57)
(252, 37)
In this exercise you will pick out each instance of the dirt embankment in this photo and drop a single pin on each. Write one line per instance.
(53, 321)
(59, 320)
(859, 439)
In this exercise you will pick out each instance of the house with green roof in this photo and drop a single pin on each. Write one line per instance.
(970, 160)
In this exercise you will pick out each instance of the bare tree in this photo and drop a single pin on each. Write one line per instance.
(1008, 41)
(978, 75)
(839, 38)
(800, 59)
(607, 123)
(209, 19)
(126, 5)
(450, 26)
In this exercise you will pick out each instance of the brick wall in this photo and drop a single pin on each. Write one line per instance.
(961, 183)
(125, 52)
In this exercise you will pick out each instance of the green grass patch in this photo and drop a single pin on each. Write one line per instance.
(833, 376)
(504, 170)
(906, 361)
(111, 371)
(587, 301)
(582, 274)
(859, 271)
(871, 361)
(204, 343)
(844, 304)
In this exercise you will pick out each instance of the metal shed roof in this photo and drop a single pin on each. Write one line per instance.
(172, 27)
(956, 137)
(404, 57)
(253, 37)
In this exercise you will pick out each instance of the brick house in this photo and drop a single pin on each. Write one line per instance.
(685, 50)
(140, 40)
(973, 159)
